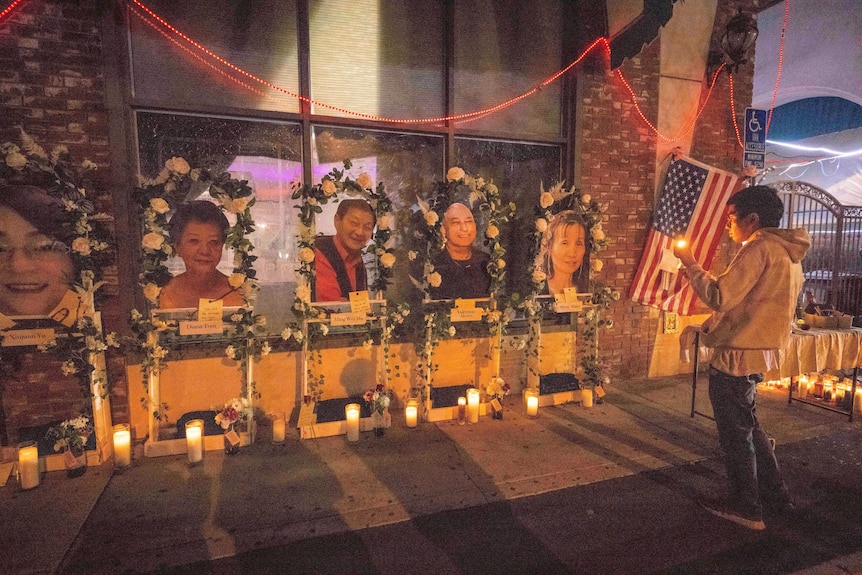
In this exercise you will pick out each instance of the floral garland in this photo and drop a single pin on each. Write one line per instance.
(157, 198)
(382, 246)
(551, 202)
(85, 231)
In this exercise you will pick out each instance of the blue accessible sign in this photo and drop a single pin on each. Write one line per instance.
(754, 153)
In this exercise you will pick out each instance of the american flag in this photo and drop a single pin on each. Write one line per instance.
(691, 206)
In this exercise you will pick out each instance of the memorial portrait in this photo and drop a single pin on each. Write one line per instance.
(461, 264)
(339, 267)
(565, 254)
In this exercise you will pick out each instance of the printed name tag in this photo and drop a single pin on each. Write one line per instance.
(201, 327)
(19, 337)
(351, 318)
(466, 314)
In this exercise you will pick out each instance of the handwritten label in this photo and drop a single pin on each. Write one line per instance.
(350, 318)
(201, 327)
(21, 337)
(306, 415)
(210, 310)
(359, 302)
(466, 314)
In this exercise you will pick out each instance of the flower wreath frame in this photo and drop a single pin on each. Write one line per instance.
(159, 196)
(484, 196)
(551, 202)
(382, 247)
(89, 245)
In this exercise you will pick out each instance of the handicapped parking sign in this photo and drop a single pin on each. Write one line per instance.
(754, 151)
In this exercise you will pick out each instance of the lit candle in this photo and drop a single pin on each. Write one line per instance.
(411, 412)
(857, 405)
(351, 413)
(279, 426)
(532, 397)
(462, 410)
(28, 465)
(473, 405)
(194, 440)
(681, 243)
(122, 445)
(587, 397)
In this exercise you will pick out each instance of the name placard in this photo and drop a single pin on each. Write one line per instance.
(21, 337)
(201, 327)
(466, 314)
(348, 318)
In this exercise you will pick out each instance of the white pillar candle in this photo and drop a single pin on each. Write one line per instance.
(411, 413)
(122, 445)
(473, 405)
(587, 397)
(279, 426)
(28, 465)
(351, 413)
(462, 410)
(531, 397)
(194, 440)
(857, 403)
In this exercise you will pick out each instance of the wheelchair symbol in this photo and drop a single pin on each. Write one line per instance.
(754, 124)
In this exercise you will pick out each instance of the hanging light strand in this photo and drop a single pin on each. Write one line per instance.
(733, 113)
(780, 64)
(8, 10)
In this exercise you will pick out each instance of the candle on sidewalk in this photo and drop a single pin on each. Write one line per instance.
(473, 405)
(531, 397)
(462, 410)
(28, 465)
(411, 412)
(194, 440)
(351, 414)
(122, 445)
(279, 426)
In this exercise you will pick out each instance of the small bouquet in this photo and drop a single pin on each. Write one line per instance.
(495, 390)
(234, 411)
(378, 398)
(71, 435)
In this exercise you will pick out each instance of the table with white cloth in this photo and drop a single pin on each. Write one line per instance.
(812, 350)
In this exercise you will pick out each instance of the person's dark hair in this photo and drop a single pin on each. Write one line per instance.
(760, 200)
(558, 225)
(200, 211)
(345, 206)
(44, 212)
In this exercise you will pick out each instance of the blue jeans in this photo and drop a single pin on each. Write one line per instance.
(752, 469)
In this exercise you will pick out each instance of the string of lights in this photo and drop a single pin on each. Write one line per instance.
(780, 64)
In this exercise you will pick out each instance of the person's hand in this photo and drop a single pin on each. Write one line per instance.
(682, 250)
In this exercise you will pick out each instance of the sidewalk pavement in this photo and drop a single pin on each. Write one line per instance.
(608, 489)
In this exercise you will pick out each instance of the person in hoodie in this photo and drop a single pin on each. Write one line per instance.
(754, 301)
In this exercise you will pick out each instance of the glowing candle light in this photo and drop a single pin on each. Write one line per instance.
(473, 405)
(28, 465)
(279, 426)
(122, 445)
(462, 410)
(194, 440)
(411, 413)
(587, 397)
(681, 243)
(532, 398)
(351, 413)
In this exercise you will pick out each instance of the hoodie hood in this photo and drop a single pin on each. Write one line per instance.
(796, 242)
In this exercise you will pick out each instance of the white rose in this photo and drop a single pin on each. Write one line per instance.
(451, 331)
(434, 279)
(597, 265)
(178, 166)
(541, 225)
(598, 235)
(306, 255)
(16, 161)
(151, 292)
(546, 200)
(412, 255)
(431, 217)
(454, 174)
(260, 320)
(159, 206)
(492, 231)
(384, 222)
(81, 246)
(236, 280)
(585, 199)
(387, 260)
(328, 187)
(237, 206)
(539, 276)
(364, 181)
(303, 293)
(153, 241)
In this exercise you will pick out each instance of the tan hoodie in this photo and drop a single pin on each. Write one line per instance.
(755, 298)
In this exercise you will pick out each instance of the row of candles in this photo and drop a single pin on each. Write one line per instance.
(822, 387)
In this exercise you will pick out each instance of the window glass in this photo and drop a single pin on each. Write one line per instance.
(517, 170)
(267, 155)
(377, 58)
(257, 37)
(502, 50)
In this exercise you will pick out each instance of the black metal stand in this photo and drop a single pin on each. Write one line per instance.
(694, 379)
(848, 413)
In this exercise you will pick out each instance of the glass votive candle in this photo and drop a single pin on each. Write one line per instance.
(462, 410)
(195, 440)
(531, 399)
(279, 426)
(411, 412)
(122, 445)
(473, 405)
(28, 465)
(351, 415)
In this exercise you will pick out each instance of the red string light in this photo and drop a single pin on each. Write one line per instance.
(780, 64)
(8, 10)
(733, 112)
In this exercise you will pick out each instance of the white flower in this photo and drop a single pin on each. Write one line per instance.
(454, 174)
(16, 161)
(136, 315)
(546, 200)
(236, 280)
(451, 331)
(260, 320)
(88, 165)
(230, 352)
(178, 166)
(541, 225)
(306, 255)
(387, 260)
(111, 340)
(384, 222)
(153, 241)
(585, 199)
(303, 293)
(265, 349)
(539, 276)
(368, 343)
(434, 279)
(238, 205)
(431, 217)
(364, 181)
(69, 368)
(152, 291)
(324, 329)
(159, 206)
(492, 231)
(597, 265)
(328, 187)
(81, 246)
(598, 234)
(412, 255)
(286, 333)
